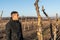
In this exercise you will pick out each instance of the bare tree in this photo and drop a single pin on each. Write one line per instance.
(1, 14)
(39, 30)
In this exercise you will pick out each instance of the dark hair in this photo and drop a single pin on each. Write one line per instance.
(14, 12)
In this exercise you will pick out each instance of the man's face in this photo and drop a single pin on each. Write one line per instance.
(15, 16)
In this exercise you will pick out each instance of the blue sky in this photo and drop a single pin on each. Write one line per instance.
(27, 8)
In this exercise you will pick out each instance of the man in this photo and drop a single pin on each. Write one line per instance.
(14, 28)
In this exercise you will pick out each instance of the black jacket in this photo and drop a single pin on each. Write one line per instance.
(14, 30)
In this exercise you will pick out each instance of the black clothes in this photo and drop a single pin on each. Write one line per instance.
(14, 30)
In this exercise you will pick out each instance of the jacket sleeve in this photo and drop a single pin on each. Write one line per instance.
(8, 36)
(20, 33)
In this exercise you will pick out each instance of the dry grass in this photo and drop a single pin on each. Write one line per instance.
(31, 33)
